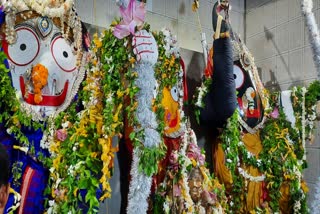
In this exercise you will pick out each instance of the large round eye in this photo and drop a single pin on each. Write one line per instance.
(174, 93)
(26, 48)
(63, 55)
(238, 76)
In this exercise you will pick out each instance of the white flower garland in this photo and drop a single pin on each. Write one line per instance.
(303, 121)
(249, 177)
(297, 203)
(189, 206)
(45, 7)
(202, 91)
(171, 46)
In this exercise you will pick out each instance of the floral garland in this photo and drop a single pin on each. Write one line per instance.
(169, 73)
(181, 162)
(230, 138)
(122, 77)
(199, 95)
(278, 161)
(304, 104)
(81, 147)
(79, 144)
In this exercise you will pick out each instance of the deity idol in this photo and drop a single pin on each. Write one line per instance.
(150, 62)
(43, 42)
(258, 139)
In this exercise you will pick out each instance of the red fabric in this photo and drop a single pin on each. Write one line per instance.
(173, 144)
(185, 86)
(208, 71)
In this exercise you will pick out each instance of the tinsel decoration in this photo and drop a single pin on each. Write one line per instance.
(140, 185)
(314, 36)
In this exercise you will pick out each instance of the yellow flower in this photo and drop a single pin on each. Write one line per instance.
(114, 23)
(172, 60)
(195, 5)
(132, 60)
(106, 195)
(194, 163)
(93, 154)
(115, 117)
(304, 187)
(56, 162)
(98, 43)
(75, 192)
(120, 93)
(94, 62)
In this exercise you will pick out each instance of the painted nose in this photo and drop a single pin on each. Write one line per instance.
(39, 77)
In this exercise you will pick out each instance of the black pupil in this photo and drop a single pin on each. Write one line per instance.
(23, 47)
(235, 76)
(65, 54)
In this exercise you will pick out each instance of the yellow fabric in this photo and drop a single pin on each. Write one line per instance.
(285, 198)
(254, 190)
(253, 144)
(222, 172)
(252, 197)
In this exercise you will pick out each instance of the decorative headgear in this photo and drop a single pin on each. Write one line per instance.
(62, 11)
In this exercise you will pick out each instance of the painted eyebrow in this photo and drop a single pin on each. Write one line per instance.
(55, 35)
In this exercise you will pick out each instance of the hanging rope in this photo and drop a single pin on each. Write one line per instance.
(195, 7)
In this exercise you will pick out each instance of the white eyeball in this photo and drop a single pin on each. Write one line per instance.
(175, 93)
(238, 76)
(26, 48)
(63, 54)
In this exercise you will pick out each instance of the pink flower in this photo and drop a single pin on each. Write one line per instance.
(193, 151)
(275, 113)
(173, 159)
(201, 159)
(133, 16)
(208, 197)
(176, 190)
(61, 134)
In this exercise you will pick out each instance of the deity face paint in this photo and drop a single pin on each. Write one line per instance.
(43, 67)
(171, 104)
(249, 101)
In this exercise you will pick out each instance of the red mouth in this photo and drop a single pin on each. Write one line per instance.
(55, 100)
(173, 123)
(255, 114)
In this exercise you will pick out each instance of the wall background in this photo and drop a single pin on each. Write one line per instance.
(173, 14)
